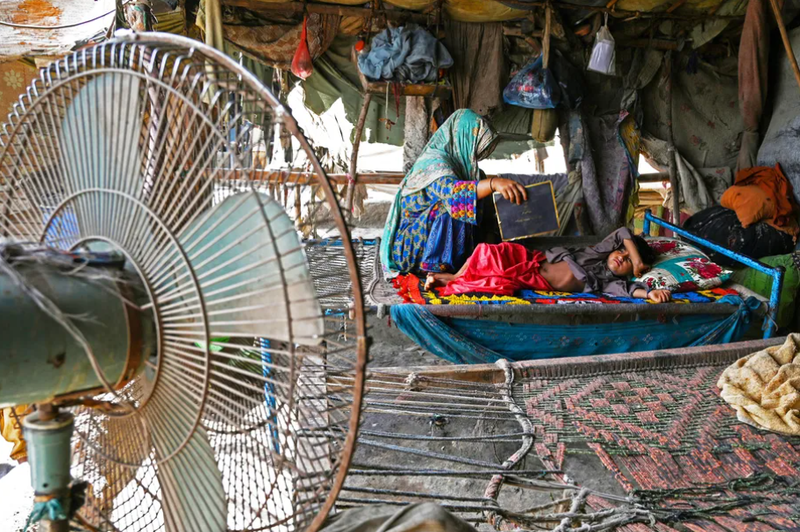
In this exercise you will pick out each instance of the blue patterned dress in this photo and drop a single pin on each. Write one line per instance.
(430, 223)
(436, 225)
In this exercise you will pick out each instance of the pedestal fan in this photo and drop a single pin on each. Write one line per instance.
(189, 372)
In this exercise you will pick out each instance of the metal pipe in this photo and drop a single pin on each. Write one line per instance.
(646, 226)
(49, 452)
(770, 326)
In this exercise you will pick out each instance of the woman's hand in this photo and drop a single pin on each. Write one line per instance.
(659, 296)
(510, 189)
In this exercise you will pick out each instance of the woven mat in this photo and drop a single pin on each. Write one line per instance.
(410, 289)
(666, 435)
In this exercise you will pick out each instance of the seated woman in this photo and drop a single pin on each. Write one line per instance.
(604, 268)
(430, 225)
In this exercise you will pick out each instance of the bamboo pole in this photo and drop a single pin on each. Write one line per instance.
(785, 38)
(548, 13)
(362, 119)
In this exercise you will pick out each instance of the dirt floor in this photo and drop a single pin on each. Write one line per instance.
(391, 348)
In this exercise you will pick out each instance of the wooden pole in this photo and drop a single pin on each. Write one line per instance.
(329, 9)
(351, 182)
(785, 38)
(548, 13)
(673, 171)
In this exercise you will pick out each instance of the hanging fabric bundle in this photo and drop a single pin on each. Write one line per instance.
(302, 66)
(603, 57)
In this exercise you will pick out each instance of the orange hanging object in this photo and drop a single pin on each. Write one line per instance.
(302, 66)
(360, 45)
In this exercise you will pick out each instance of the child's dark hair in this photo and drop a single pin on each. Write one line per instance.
(645, 251)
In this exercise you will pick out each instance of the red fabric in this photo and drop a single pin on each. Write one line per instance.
(408, 287)
(302, 66)
(778, 189)
(500, 269)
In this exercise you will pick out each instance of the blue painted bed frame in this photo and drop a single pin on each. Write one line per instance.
(770, 320)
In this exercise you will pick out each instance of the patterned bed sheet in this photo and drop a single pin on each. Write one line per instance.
(410, 289)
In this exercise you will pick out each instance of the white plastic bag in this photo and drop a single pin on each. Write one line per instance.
(603, 53)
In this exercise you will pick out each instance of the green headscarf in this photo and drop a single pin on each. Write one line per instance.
(454, 151)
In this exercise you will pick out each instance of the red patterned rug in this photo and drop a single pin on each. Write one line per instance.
(667, 437)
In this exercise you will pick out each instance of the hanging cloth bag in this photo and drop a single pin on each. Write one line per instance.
(603, 56)
(302, 66)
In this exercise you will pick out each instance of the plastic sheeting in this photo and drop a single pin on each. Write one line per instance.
(496, 11)
(335, 76)
(707, 124)
(464, 341)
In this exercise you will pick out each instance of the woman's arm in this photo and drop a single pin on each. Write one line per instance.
(510, 189)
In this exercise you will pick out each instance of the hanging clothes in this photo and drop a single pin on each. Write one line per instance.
(753, 78)
(405, 54)
(12, 432)
(607, 168)
(273, 44)
(431, 221)
(771, 188)
(480, 66)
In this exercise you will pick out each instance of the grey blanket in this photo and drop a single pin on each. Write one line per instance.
(425, 517)
(407, 54)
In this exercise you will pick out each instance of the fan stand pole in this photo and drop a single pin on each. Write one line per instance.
(48, 433)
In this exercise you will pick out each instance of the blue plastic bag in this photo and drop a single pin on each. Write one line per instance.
(534, 87)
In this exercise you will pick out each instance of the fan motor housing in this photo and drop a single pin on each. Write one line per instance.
(42, 361)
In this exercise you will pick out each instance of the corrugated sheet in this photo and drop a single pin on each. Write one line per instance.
(23, 42)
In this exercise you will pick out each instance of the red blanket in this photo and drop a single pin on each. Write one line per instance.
(500, 269)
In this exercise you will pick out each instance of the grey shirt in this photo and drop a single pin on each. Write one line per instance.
(589, 265)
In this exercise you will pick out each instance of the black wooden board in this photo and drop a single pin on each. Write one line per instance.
(536, 216)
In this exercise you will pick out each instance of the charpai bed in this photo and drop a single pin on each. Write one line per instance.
(477, 328)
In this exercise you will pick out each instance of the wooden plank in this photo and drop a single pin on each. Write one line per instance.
(330, 9)
(20, 42)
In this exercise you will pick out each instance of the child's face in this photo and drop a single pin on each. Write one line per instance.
(620, 263)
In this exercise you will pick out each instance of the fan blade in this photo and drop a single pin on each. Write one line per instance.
(99, 137)
(191, 486)
(253, 272)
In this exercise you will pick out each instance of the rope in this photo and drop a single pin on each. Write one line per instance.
(493, 489)
(52, 510)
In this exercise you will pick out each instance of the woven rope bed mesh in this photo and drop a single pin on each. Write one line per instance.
(130, 143)
(632, 442)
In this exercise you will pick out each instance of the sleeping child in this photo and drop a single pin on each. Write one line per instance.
(603, 268)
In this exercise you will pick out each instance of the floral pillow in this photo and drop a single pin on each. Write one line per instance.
(681, 267)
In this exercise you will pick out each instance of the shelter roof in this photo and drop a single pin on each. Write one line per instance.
(501, 10)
